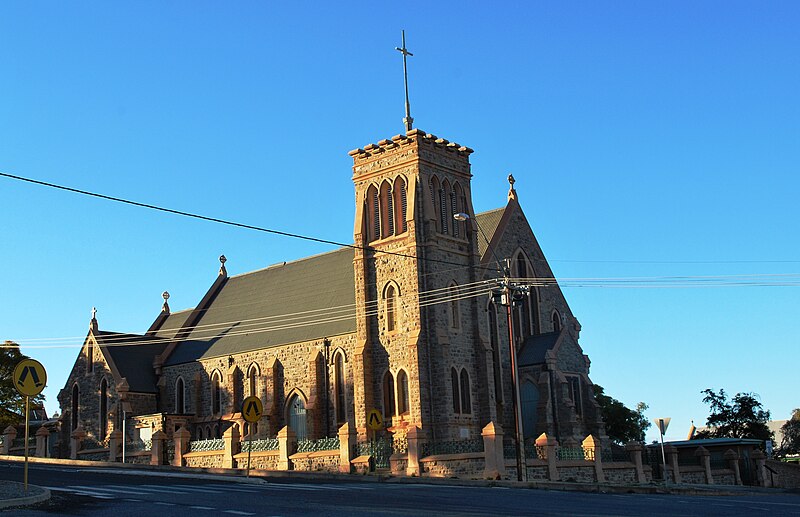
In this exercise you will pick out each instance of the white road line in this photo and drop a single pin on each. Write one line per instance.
(201, 508)
(80, 492)
(103, 489)
(228, 488)
(183, 489)
(237, 512)
(164, 504)
(143, 489)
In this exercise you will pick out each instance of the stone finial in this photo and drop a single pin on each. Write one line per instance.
(222, 270)
(512, 194)
(165, 307)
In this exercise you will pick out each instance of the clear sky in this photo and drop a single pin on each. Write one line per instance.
(648, 139)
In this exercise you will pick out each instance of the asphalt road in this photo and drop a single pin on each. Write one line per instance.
(95, 492)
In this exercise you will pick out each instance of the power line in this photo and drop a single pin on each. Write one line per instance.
(226, 221)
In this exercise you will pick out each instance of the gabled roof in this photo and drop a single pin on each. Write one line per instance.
(132, 354)
(535, 348)
(488, 222)
(308, 299)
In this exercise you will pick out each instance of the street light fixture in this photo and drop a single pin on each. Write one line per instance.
(509, 295)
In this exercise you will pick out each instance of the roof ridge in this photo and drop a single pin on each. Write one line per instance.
(287, 263)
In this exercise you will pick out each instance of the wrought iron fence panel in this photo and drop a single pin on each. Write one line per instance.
(91, 443)
(215, 444)
(453, 447)
(323, 444)
(169, 451)
(614, 455)
(532, 452)
(719, 463)
(269, 444)
(570, 453)
(380, 449)
(139, 445)
(400, 445)
(509, 450)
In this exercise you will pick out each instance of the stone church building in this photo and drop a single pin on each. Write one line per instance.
(404, 322)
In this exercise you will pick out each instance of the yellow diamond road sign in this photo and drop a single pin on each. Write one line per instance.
(374, 420)
(252, 409)
(29, 377)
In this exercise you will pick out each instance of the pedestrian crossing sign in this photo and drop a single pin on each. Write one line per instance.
(374, 420)
(252, 409)
(29, 377)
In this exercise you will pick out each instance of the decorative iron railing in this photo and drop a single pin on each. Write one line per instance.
(380, 449)
(20, 442)
(206, 445)
(509, 450)
(269, 444)
(91, 443)
(452, 447)
(400, 445)
(323, 444)
(614, 455)
(570, 453)
(139, 445)
(533, 452)
(169, 451)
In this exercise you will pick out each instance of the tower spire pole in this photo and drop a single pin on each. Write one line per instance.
(408, 121)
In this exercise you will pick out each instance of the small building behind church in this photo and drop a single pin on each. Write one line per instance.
(405, 321)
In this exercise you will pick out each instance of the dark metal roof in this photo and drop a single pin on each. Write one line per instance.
(708, 442)
(535, 348)
(133, 356)
(488, 222)
(308, 299)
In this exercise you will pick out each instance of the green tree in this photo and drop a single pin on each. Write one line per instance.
(622, 423)
(10, 399)
(743, 416)
(791, 435)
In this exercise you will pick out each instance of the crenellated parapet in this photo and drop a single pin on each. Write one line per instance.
(414, 145)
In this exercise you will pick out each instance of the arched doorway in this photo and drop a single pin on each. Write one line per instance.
(297, 417)
(529, 399)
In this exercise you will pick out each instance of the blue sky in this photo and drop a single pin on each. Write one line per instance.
(647, 140)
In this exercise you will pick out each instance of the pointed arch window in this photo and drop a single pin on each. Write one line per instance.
(556, 321)
(458, 206)
(252, 380)
(402, 392)
(522, 320)
(180, 396)
(90, 356)
(494, 341)
(401, 205)
(466, 404)
(338, 387)
(103, 409)
(374, 214)
(76, 395)
(386, 210)
(390, 295)
(388, 396)
(216, 393)
(454, 384)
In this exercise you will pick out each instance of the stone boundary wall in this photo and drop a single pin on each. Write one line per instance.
(469, 465)
(262, 460)
(206, 459)
(787, 474)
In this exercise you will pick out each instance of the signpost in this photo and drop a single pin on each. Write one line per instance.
(30, 379)
(662, 424)
(252, 410)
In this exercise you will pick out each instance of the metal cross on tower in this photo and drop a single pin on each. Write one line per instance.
(408, 121)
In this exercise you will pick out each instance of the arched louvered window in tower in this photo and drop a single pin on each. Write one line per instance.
(453, 211)
(454, 384)
(400, 206)
(443, 222)
(402, 392)
(466, 406)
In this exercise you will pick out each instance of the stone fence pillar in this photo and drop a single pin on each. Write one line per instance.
(347, 444)
(9, 435)
(416, 438)
(76, 438)
(672, 455)
(549, 445)
(232, 445)
(287, 445)
(42, 436)
(705, 462)
(181, 438)
(114, 444)
(494, 460)
(635, 451)
(732, 458)
(157, 448)
(761, 468)
(591, 449)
